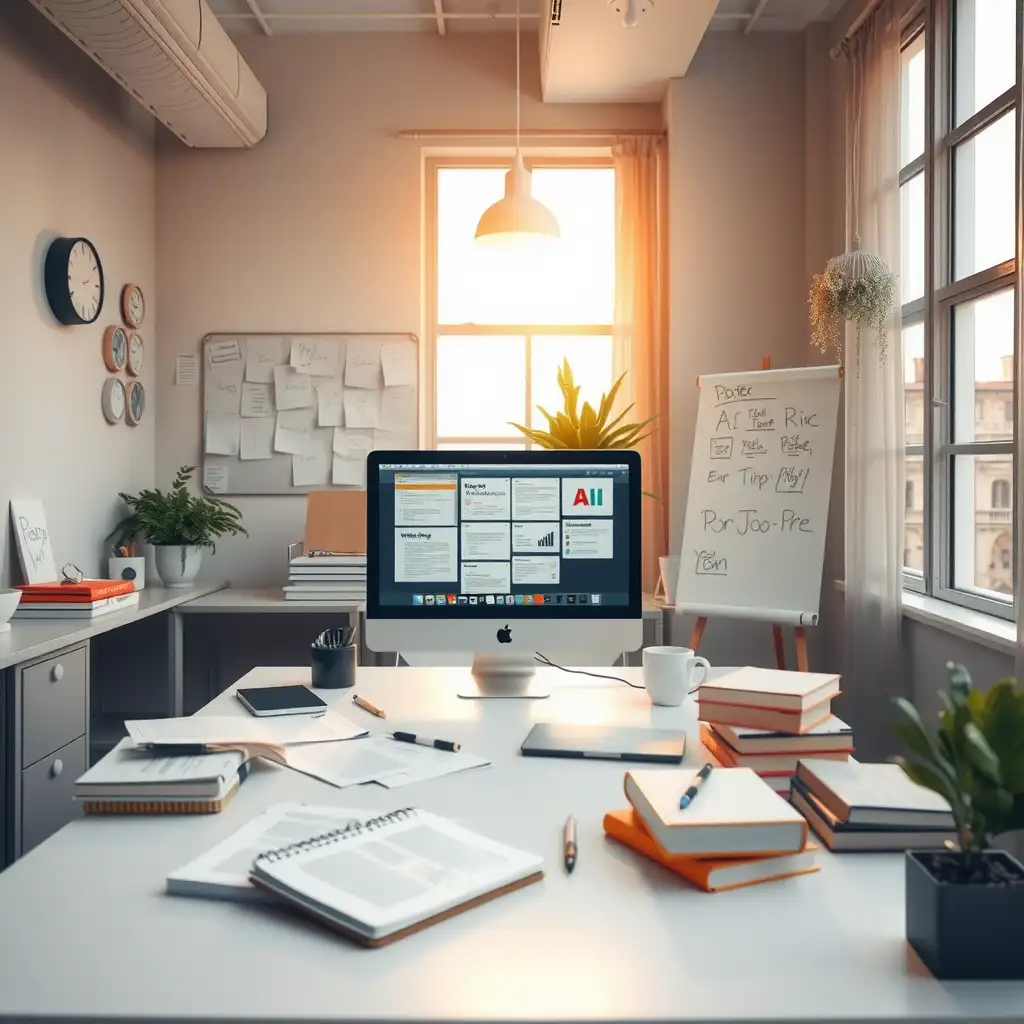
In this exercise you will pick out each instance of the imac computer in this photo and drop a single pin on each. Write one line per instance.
(504, 554)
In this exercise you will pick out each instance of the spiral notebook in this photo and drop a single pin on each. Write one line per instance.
(390, 876)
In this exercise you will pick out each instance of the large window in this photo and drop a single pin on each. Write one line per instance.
(958, 130)
(502, 320)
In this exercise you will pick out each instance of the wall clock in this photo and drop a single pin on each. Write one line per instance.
(113, 399)
(115, 348)
(136, 354)
(136, 407)
(133, 305)
(73, 278)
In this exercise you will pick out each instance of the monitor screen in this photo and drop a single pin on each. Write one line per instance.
(512, 534)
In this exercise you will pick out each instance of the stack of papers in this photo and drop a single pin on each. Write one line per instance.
(324, 727)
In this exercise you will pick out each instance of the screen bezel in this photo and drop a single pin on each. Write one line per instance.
(569, 458)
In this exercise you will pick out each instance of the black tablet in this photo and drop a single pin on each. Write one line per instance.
(280, 700)
(605, 742)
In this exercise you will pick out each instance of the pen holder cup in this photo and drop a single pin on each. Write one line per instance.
(133, 569)
(333, 668)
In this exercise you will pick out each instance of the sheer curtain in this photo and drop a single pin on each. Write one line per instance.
(873, 670)
(641, 322)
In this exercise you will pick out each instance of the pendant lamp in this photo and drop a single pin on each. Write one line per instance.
(518, 217)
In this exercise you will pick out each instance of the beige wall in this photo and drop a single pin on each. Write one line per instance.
(319, 226)
(76, 158)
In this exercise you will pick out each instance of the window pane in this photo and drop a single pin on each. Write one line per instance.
(481, 385)
(591, 362)
(984, 198)
(982, 524)
(571, 281)
(913, 544)
(912, 217)
(983, 368)
(986, 33)
(912, 101)
(913, 382)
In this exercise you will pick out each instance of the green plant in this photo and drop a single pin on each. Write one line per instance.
(177, 517)
(975, 759)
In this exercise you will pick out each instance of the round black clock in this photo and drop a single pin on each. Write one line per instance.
(73, 277)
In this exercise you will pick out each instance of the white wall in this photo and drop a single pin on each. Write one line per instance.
(76, 158)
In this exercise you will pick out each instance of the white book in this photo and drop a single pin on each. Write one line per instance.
(771, 688)
(329, 560)
(347, 597)
(324, 727)
(832, 735)
(330, 585)
(74, 610)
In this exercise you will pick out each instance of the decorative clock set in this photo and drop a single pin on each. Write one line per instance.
(75, 290)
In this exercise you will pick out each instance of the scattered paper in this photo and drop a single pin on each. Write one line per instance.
(323, 728)
(257, 439)
(222, 435)
(352, 444)
(312, 468)
(362, 363)
(427, 763)
(294, 430)
(261, 356)
(398, 409)
(215, 479)
(395, 440)
(292, 390)
(329, 405)
(257, 400)
(399, 362)
(224, 388)
(347, 764)
(225, 351)
(362, 408)
(348, 472)
(186, 371)
(316, 356)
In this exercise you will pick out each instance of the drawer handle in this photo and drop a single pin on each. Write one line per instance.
(57, 672)
(57, 767)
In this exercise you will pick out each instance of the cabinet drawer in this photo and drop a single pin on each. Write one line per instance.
(53, 701)
(47, 793)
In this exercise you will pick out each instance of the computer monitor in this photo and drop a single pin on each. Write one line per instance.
(503, 554)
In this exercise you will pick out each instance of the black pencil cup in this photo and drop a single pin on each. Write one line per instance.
(334, 668)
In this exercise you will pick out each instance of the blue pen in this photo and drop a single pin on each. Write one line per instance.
(687, 798)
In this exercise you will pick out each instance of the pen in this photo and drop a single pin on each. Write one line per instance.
(367, 706)
(569, 839)
(425, 741)
(688, 797)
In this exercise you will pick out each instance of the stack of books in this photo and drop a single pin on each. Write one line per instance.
(735, 832)
(857, 806)
(85, 600)
(768, 719)
(327, 577)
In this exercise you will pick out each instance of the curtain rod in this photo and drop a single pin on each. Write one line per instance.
(858, 23)
(537, 133)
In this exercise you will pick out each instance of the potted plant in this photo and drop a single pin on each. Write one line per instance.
(178, 525)
(965, 904)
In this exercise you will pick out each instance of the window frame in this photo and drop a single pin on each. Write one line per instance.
(435, 330)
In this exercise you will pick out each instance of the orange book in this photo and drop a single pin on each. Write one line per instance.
(84, 592)
(712, 874)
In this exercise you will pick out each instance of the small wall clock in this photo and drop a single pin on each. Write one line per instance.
(133, 305)
(113, 400)
(115, 348)
(136, 354)
(136, 407)
(73, 278)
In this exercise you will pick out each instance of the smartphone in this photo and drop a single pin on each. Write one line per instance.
(264, 701)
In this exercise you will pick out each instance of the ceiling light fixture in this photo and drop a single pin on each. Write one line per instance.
(517, 217)
(630, 10)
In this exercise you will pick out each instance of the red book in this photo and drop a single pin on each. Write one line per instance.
(74, 593)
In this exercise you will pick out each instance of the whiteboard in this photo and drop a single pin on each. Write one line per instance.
(757, 511)
(291, 413)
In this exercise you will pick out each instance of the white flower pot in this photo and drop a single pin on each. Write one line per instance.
(169, 566)
(133, 569)
(669, 579)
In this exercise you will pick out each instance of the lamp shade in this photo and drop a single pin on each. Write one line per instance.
(518, 216)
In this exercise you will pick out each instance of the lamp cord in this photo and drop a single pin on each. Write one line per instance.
(545, 660)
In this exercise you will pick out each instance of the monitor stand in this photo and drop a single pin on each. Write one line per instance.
(504, 675)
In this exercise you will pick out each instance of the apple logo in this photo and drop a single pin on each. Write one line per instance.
(504, 635)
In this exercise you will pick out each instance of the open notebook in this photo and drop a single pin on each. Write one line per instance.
(387, 877)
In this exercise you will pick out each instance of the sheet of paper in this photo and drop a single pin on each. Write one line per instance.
(294, 431)
(222, 435)
(329, 407)
(257, 399)
(35, 549)
(426, 763)
(362, 408)
(348, 472)
(186, 371)
(313, 467)
(362, 363)
(257, 439)
(319, 357)
(399, 362)
(352, 444)
(226, 350)
(224, 388)
(395, 440)
(261, 356)
(244, 728)
(215, 479)
(348, 764)
(292, 390)
(398, 409)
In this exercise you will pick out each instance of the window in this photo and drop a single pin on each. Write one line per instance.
(502, 321)
(959, 199)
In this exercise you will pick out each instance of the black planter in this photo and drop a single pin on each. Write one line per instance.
(965, 931)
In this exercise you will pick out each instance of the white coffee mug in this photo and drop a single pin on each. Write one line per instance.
(669, 674)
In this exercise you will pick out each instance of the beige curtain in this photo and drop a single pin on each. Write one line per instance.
(641, 321)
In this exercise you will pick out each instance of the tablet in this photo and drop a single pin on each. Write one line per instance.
(280, 700)
(605, 742)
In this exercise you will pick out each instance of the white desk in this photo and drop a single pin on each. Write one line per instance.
(619, 940)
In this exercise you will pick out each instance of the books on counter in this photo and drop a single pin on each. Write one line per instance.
(327, 578)
(87, 590)
(771, 689)
(831, 736)
(63, 609)
(342, 595)
(323, 561)
(761, 718)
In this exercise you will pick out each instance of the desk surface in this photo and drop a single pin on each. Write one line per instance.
(619, 940)
(35, 638)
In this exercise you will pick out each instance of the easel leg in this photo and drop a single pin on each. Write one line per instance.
(780, 650)
(697, 632)
(801, 649)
